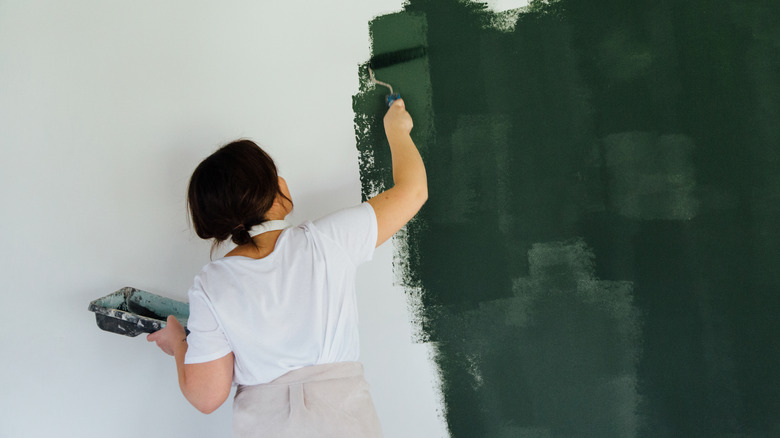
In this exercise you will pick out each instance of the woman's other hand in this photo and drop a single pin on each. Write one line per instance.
(169, 337)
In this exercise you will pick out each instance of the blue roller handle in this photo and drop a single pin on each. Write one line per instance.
(390, 98)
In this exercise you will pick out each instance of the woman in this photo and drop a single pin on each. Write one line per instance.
(277, 315)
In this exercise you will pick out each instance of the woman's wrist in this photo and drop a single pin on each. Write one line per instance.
(180, 347)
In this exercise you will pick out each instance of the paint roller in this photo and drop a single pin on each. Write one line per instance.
(392, 58)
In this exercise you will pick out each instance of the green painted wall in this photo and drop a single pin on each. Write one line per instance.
(600, 253)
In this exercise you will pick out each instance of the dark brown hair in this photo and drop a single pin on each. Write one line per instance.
(231, 191)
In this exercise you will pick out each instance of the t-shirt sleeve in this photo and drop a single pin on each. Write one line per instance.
(354, 229)
(207, 340)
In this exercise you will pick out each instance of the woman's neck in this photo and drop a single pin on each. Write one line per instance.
(261, 246)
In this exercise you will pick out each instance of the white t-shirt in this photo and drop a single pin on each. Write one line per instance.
(293, 308)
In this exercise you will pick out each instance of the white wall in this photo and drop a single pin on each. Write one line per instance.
(105, 109)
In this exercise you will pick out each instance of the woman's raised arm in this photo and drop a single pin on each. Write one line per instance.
(396, 206)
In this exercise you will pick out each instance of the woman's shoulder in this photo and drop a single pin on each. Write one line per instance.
(217, 275)
(219, 267)
(353, 229)
(352, 215)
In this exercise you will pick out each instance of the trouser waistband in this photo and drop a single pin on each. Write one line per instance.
(313, 373)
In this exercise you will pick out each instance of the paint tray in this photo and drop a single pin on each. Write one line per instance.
(130, 311)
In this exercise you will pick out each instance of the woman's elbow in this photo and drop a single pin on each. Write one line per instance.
(418, 193)
(207, 409)
(207, 401)
(207, 385)
(207, 406)
(422, 196)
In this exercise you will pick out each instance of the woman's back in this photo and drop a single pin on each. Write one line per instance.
(294, 307)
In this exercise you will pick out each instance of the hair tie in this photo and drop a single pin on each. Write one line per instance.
(239, 228)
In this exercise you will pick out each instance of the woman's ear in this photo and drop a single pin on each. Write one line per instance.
(286, 203)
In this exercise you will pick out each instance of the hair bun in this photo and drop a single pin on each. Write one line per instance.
(241, 235)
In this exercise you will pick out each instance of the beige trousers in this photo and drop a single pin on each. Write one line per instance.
(330, 400)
